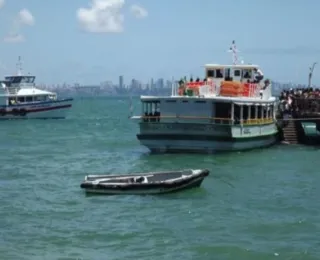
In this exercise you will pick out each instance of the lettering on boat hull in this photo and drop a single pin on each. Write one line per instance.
(155, 128)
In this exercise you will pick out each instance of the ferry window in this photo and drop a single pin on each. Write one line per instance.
(29, 99)
(271, 111)
(16, 79)
(21, 99)
(219, 74)
(237, 73)
(237, 114)
(246, 74)
(8, 79)
(24, 80)
(227, 75)
(210, 73)
(265, 112)
(222, 112)
(40, 98)
(252, 112)
(12, 101)
(259, 111)
(31, 79)
(27, 79)
(245, 113)
(151, 111)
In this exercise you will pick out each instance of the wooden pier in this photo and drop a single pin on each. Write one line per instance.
(303, 130)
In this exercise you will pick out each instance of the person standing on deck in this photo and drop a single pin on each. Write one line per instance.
(258, 75)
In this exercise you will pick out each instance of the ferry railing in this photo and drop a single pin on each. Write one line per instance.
(12, 91)
(208, 90)
(213, 120)
(195, 89)
(26, 85)
(14, 88)
(174, 88)
(258, 121)
(267, 93)
(212, 90)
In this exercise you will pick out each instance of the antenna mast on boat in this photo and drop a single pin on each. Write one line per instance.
(19, 67)
(234, 51)
(311, 73)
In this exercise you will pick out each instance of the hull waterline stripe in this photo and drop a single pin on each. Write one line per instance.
(40, 103)
(43, 109)
(184, 137)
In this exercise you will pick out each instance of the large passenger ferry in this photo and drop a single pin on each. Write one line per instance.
(20, 99)
(232, 109)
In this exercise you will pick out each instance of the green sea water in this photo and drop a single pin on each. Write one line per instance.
(262, 204)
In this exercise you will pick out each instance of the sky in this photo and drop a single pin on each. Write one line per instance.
(91, 41)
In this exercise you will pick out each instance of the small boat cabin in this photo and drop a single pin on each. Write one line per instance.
(228, 81)
(240, 73)
(21, 90)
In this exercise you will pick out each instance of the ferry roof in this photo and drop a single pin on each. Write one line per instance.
(240, 66)
(33, 91)
(10, 77)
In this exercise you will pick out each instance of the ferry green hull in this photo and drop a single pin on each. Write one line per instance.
(209, 140)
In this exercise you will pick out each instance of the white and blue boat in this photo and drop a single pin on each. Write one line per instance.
(21, 99)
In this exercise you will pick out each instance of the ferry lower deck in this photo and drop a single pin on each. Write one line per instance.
(209, 141)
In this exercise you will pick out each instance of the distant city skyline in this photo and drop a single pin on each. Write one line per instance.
(137, 87)
(134, 83)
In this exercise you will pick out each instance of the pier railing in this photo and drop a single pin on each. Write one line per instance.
(299, 119)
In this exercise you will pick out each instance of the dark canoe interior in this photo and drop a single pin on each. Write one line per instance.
(140, 177)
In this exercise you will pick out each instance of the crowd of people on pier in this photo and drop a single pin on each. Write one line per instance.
(300, 93)
(287, 98)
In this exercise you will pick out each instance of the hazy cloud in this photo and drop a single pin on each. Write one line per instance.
(138, 11)
(106, 16)
(26, 18)
(1, 3)
(103, 16)
(23, 18)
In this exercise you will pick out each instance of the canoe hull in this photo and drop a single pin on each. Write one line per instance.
(146, 188)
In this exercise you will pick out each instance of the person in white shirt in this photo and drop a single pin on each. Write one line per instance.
(258, 75)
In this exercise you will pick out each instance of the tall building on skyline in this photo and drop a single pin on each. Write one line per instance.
(121, 85)
(161, 83)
